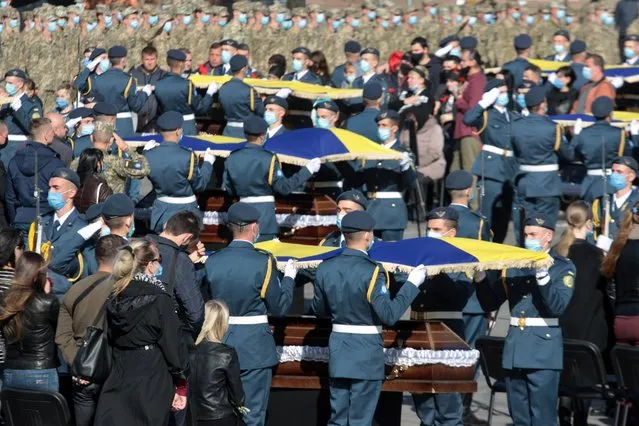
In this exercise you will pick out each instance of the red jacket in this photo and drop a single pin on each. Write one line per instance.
(468, 99)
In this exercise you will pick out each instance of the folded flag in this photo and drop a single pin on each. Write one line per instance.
(619, 118)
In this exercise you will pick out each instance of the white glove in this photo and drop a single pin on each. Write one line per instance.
(148, 89)
(552, 77)
(479, 276)
(444, 50)
(72, 123)
(209, 157)
(489, 98)
(634, 127)
(314, 165)
(284, 93)
(150, 145)
(90, 230)
(212, 89)
(417, 276)
(604, 243)
(404, 163)
(542, 277)
(578, 126)
(94, 63)
(16, 104)
(290, 270)
(617, 82)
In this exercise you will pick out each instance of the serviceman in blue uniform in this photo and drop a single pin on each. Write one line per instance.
(364, 123)
(83, 129)
(17, 114)
(352, 50)
(299, 109)
(238, 99)
(98, 64)
(442, 298)
(522, 44)
(347, 202)
(254, 174)
(117, 87)
(537, 143)
(587, 145)
(533, 352)
(495, 166)
(246, 279)
(623, 198)
(369, 60)
(275, 109)
(176, 93)
(561, 46)
(352, 290)
(229, 49)
(175, 172)
(578, 52)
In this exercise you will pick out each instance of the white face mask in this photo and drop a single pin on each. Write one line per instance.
(434, 234)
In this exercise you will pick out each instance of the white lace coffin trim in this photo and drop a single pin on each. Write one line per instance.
(408, 356)
(285, 220)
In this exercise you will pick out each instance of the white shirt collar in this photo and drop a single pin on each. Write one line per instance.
(619, 201)
(561, 58)
(632, 61)
(274, 130)
(500, 108)
(341, 239)
(461, 205)
(64, 218)
(391, 144)
(226, 67)
(301, 74)
(367, 77)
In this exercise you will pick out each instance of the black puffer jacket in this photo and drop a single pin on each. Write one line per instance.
(36, 350)
(216, 386)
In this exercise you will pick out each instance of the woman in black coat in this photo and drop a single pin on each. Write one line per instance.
(147, 376)
(216, 385)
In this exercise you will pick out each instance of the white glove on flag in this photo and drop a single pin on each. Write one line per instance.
(417, 276)
(578, 126)
(314, 165)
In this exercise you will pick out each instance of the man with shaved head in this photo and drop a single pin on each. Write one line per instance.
(59, 130)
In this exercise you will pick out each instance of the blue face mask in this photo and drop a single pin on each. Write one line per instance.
(265, 20)
(383, 133)
(534, 245)
(385, 24)
(432, 11)
(14, 23)
(62, 22)
(270, 117)
(76, 20)
(629, 52)
(257, 236)
(372, 14)
(472, 20)
(132, 231)
(61, 103)
(298, 65)
(205, 19)
(108, 21)
(355, 23)
(415, 89)
(154, 19)
(158, 273)
(105, 231)
(559, 84)
(302, 23)
(336, 25)
(456, 51)
(280, 17)
(503, 99)
(559, 48)
(11, 89)
(323, 123)
(52, 26)
(91, 26)
(609, 21)
(587, 73)
(320, 18)
(134, 24)
(561, 14)
(488, 18)
(364, 66)
(287, 25)
(243, 18)
(458, 19)
(119, 16)
(546, 17)
(530, 20)
(397, 19)
(187, 20)
(104, 65)
(87, 129)
(412, 20)
(604, 16)
(1, 27)
(521, 100)
(569, 20)
(617, 181)
(338, 220)
(226, 56)
(31, 25)
(85, 62)
(222, 23)
(516, 15)
(4, 3)
(56, 200)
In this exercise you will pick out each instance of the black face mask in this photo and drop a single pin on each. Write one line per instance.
(404, 68)
(416, 57)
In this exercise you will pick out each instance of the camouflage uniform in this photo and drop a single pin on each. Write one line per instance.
(119, 169)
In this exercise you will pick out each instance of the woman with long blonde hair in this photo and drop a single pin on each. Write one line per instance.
(217, 389)
(147, 376)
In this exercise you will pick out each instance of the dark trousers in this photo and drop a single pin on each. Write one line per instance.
(226, 421)
(573, 411)
(497, 206)
(85, 401)
(532, 396)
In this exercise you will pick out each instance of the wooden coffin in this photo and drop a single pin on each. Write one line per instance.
(301, 204)
(430, 378)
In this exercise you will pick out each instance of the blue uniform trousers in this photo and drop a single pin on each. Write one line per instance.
(475, 326)
(532, 396)
(257, 386)
(390, 234)
(162, 212)
(442, 409)
(526, 206)
(353, 401)
(496, 207)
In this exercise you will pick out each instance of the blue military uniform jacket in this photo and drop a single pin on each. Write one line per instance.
(358, 83)
(495, 130)
(532, 347)
(238, 100)
(65, 245)
(309, 77)
(279, 132)
(352, 289)
(537, 141)
(338, 76)
(364, 124)
(246, 279)
(18, 124)
(587, 146)
(517, 67)
(79, 144)
(616, 212)
(175, 93)
(336, 239)
(220, 70)
(557, 58)
(253, 171)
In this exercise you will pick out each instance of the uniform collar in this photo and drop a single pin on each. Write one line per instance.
(273, 131)
(241, 243)
(299, 75)
(458, 205)
(64, 218)
(391, 144)
(353, 252)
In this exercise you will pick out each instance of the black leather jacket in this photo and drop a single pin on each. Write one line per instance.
(36, 350)
(217, 389)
